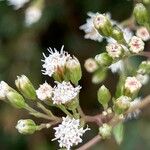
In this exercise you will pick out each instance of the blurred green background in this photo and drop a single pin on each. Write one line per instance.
(21, 51)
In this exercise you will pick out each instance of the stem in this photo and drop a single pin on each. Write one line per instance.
(81, 111)
(75, 114)
(65, 110)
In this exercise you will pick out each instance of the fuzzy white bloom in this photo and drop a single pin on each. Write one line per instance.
(116, 67)
(44, 91)
(132, 84)
(90, 65)
(4, 89)
(89, 29)
(64, 92)
(55, 61)
(17, 3)
(127, 33)
(114, 50)
(143, 33)
(69, 133)
(143, 78)
(32, 15)
(136, 44)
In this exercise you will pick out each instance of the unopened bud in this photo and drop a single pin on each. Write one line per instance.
(104, 96)
(144, 67)
(103, 25)
(103, 59)
(26, 126)
(73, 68)
(16, 99)
(105, 131)
(122, 104)
(25, 87)
(141, 14)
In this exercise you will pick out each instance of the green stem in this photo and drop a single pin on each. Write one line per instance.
(75, 114)
(65, 110)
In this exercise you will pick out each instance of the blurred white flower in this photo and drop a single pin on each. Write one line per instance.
(90, 65)
(132, 84)
(89, 29)
(136, 44)
(117, 66)
(32, 15)
(64, 92)
(114, 50)
(69, 133)
(127, 33)
(55, 61)
(4, 89)
(17, 3)
(143, 33)
(44, 91)
(143, 78)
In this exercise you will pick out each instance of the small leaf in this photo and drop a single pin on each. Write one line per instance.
(118, 132)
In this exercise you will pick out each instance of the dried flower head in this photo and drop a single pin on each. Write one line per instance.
(143, 33)
(64, 92)
(136, 44)
(44, 92)
(69, 133)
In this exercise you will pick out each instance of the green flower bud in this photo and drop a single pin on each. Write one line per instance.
(144, 67)
(25, 87)
(104, 96)
(117, 34)
(103, 59)
(105, 131)
(103, 25)
(140, 14)
(122, 104)
(73, 70)
(26, 126)
(16, 99)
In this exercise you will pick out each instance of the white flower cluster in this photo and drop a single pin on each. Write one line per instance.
(17, 3)
(62, 93)
(4, 89)
(69, 133)
(56, 61)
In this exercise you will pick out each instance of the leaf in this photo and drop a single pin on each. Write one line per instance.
(118, 132)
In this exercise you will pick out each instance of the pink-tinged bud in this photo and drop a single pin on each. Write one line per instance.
(143, 33)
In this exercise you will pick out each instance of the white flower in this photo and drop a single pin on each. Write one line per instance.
(143, 78)
(114, 50)
(69, 133)
(17, 3)
(4, 89)
(55, 61)
(32, 15)
(90, 65)
(44, 91)
(89, 29)
(143, 33)
(64, 92)
(117, 66)
(136, 44)
(132, 84)
(127, 33)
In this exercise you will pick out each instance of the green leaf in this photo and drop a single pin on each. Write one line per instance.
(118, 132)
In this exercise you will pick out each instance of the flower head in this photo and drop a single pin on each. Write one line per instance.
(143, 33)
(89, 29)
(64, 92)
(136, 44)
(17, 3)
(44, 91)
(132, 84)
(117, 66)
(114, 50)
(55, 62)
(69, 133)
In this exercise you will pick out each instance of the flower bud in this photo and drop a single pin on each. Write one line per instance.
(146, 1)
(140, 14)
(16, 99)
(143, 33)
(122, 104)
(103, 59)
(105, 131)
(73, 68)
(102, 24)
(90, 65)
(117, 34)
(25, 87)
(104, 96)
(26, 126)
(144, 67)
